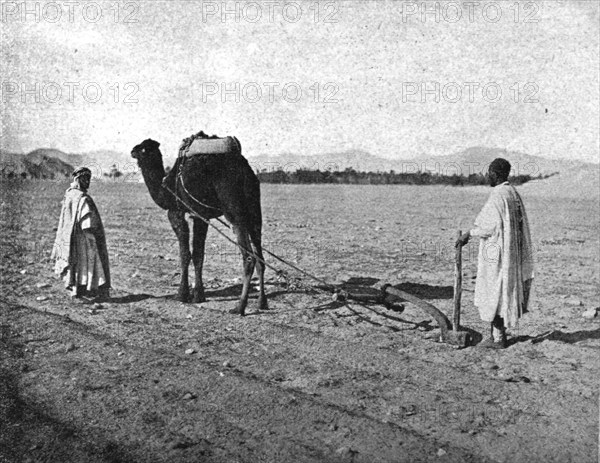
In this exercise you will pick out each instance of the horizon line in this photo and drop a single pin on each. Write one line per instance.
(333, 153)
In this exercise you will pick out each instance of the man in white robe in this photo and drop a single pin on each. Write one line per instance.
(505, 261)
(80, 247)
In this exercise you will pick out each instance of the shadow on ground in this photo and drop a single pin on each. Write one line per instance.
(557, 335)
(361, 286)
(427, 292)
(29, 433)
(129, 298)
(365, 285)
(233, 292)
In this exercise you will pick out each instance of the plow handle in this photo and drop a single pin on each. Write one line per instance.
(457, 286)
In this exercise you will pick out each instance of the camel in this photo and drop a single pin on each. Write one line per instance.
(214, 185)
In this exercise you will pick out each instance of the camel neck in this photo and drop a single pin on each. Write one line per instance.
(153, 174)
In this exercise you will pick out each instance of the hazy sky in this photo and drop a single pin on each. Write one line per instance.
(353, 76)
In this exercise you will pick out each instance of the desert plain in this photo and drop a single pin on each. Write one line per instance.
(146, 378)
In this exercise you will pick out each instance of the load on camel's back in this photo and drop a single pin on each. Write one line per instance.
(203, 144)
(211, 177)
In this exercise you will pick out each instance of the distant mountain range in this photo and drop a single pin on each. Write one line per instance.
(37, 164)
(100, 162)
(49, 163)
(52, 163)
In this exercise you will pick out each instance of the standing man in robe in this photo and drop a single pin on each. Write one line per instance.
(80, 246)
(505, 261)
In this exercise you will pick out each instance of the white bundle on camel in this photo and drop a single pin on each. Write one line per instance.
(201, 143)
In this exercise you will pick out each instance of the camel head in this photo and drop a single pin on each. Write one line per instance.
(147, 151)
(149, 159)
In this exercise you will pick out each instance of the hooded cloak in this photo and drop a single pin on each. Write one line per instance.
(80, 246)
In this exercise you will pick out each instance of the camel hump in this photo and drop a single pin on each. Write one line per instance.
(224, 145)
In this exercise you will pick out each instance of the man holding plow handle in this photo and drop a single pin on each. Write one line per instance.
(505, 259)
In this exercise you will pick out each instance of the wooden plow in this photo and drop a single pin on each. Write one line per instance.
(387, 294)
(450, 333)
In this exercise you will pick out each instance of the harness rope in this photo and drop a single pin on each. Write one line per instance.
(330, 287)
(180, 178)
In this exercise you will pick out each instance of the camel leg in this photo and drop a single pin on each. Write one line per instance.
(182, 230)
(248, 263)
(255, 237)
(198, 243)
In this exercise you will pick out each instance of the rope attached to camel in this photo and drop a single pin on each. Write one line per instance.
(280, 273)
(449, 334)
(386, 295)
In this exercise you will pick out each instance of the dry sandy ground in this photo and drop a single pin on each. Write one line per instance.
(311, 379)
